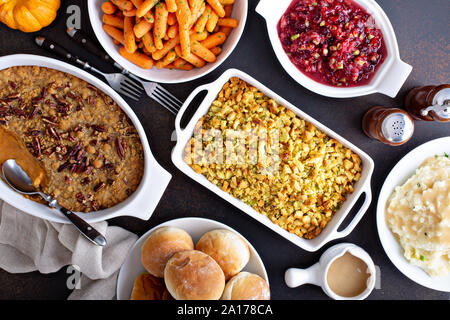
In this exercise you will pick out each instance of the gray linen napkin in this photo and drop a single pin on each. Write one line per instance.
(28, 244)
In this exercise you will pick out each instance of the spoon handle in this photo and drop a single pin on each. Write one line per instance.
(85, 228)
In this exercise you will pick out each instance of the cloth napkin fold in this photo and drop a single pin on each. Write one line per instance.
(28, 244)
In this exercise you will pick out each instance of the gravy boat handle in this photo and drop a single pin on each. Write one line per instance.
(295, 277)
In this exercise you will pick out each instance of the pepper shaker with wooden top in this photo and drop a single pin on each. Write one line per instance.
(391, 126)
(429, 103)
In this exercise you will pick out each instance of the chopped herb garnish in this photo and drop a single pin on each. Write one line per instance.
(295, 36)
(445, 155)
(418, 185)
(422, 258)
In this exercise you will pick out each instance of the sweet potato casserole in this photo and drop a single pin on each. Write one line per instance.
(299, 186)
(89, 149)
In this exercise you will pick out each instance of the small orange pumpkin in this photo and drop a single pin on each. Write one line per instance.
(28, 15)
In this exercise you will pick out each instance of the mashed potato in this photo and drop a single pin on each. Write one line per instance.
(418, 213)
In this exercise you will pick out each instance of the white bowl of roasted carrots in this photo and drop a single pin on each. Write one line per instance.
(168, 41)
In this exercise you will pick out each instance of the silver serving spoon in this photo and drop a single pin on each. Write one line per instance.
(19, 180)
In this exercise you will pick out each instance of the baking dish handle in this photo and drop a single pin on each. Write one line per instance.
(358, 216)
(185, 105)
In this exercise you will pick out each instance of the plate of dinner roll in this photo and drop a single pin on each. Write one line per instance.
(193, 259)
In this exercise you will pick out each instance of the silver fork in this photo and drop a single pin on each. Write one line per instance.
(153, 90)
(118, 81)
(125, 83)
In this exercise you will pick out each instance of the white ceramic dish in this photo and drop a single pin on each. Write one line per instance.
(141, 203)
(403, 170)
(196, 227)
(317, 273)
(389, 77)
(330, 232)
(240, 9)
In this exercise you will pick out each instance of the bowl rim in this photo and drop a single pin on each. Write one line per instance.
(391, 61)
(403, 170)
(138, 204)
(105, 41)
(189, 221)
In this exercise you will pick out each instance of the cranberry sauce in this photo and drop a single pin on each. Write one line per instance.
(334, 42)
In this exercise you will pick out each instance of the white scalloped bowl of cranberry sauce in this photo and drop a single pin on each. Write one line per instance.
(336, 48)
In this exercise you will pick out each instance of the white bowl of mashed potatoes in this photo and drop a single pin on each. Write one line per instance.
(413, 215)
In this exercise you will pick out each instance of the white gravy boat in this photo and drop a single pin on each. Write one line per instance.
(317, 273)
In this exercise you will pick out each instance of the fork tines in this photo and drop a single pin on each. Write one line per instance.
(166, 99)
(130, 88)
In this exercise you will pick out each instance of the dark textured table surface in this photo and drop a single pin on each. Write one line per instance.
(422, 32)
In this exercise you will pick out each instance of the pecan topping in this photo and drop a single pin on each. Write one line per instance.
(99, 186)
(64, 166)
(12, 84)
(50, 120)
(119, 148)
(98, 128)
(85, 181)
(37, 147)
(80, 197)
(54, 133)
(33, 112)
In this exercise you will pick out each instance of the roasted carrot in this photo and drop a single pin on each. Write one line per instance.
(161, 15)
(216, 50)
(137, 3)
(108, 8)
(123, 4)
(212, 22)
(147, 40)
(114, 33)
(113, 21)
(214, 40)
(130, 39)
(171, 5)
(199, 36)
(217, 7)
(141, 28)
(201, 22)
(171, 18)
(182, 64)
(168, 59)
(130, 13)
(137, 58)
(172, 31)
(228, 22)
(157, 41)
(145, 7)
(191, 58)
(202, 52)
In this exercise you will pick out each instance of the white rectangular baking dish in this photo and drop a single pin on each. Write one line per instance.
(330, 232)
(141, 203)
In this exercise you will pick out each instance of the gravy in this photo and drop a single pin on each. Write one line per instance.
(12, 148)
(347, 276)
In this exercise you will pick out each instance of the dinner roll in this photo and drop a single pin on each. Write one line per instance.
(148, 287)
(161, 245)
(229, 250)
(246, 286)
(193, 275)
